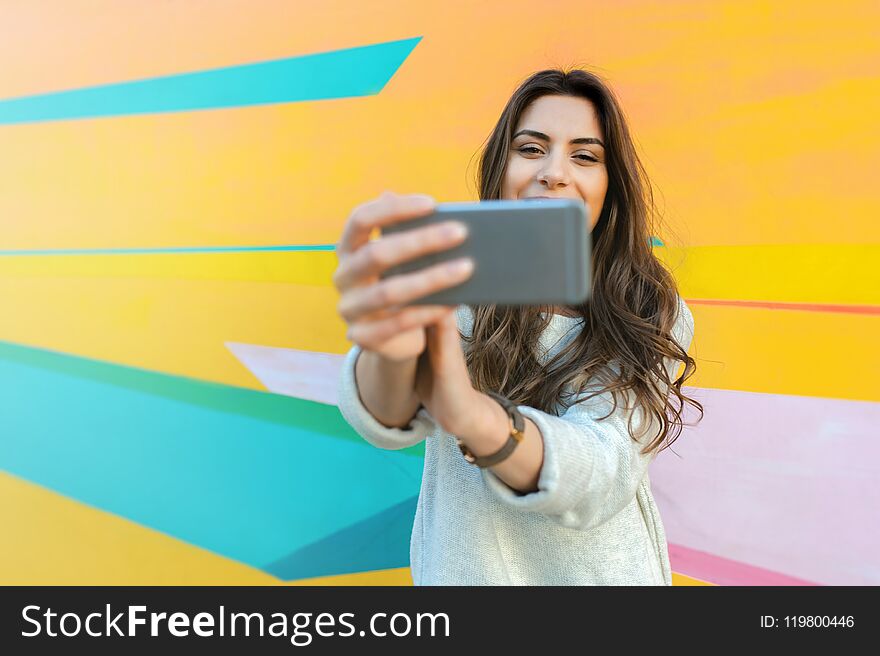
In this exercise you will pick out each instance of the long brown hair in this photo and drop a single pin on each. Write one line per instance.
(634, 301)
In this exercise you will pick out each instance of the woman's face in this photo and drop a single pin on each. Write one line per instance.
(563, 156)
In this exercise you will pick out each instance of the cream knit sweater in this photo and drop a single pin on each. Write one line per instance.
(592, 520)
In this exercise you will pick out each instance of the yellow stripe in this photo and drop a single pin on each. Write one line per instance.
(299, 267)
(787, 352)
(808, 273)
(175, 326)
(681, 579)
(180, 327)
(49, 539)
(805, 273)
(398, 576)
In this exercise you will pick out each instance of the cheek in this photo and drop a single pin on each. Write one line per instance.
(595, 193)
(595, 213)
(517, 173)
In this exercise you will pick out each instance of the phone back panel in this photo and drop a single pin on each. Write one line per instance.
(533, 252)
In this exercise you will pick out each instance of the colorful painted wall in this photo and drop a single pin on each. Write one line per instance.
(173, 179)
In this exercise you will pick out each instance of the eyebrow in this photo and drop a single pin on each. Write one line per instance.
(541, 135)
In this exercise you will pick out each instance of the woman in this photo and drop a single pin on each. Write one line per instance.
(566, 499)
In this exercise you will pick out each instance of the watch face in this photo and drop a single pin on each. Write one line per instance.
(465, 451)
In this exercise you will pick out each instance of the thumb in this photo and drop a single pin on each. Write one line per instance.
(448, 323)
(449, 332)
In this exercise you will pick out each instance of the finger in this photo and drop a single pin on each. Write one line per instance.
(452, 315)
(450, 334)
(386, 251)
(432, 346)
(387, 209)
(401, 289)
(372, 334)
(446, 321)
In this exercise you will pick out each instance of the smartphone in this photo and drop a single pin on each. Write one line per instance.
(525, 252)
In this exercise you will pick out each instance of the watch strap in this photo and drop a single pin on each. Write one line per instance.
(517, 433)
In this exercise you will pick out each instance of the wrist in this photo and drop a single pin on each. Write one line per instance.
(489, 429)
(386, 389)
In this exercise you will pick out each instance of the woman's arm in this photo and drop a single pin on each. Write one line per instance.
(521, 469)
(387, 388)
(576, 469)
(361, 419)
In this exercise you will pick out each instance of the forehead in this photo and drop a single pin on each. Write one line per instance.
(561, 117)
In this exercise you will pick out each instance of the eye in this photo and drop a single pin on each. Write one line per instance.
(532, 149)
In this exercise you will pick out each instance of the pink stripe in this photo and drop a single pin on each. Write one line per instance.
(775, 305)
(723, 571)
(787, 484)
(307, 375)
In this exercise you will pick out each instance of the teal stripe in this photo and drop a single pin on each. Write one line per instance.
(254, 481)
(655, 241)
(169, 250)
(379, 542)
(264, 406)
(352, 72)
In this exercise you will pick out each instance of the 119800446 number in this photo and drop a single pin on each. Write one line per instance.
(819, 621)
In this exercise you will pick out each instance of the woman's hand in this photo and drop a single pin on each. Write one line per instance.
(372, 307)
(443, 384)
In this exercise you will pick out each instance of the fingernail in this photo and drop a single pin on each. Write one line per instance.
(456, 230)
(461, 266)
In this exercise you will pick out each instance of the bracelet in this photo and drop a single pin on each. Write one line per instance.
(517, 433)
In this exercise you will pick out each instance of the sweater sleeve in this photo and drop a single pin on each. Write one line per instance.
(592, 469)
(365, 424)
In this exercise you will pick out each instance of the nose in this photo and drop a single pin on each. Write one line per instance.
(553, 173)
